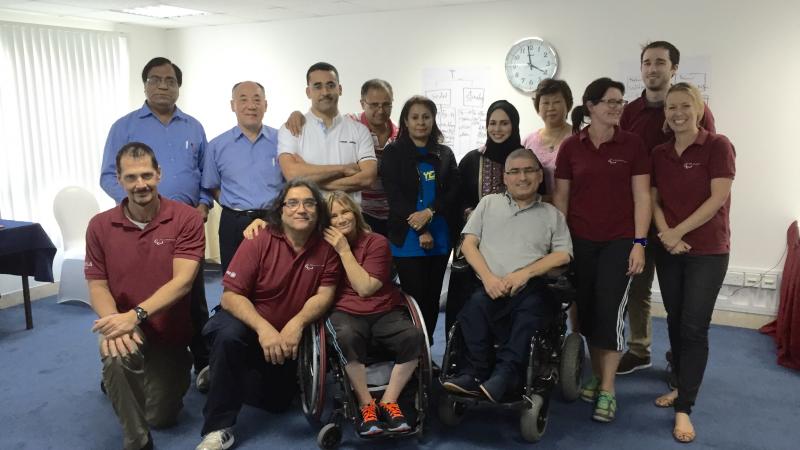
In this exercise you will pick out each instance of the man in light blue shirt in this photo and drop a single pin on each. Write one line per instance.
(179, 143)
(241, 167)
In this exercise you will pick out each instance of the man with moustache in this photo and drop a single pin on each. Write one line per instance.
(277, 284)
(141, 259)
(510, 240)
(376, 101)
(179, 143)
(241, 167)
(645, 117)
(335, 152)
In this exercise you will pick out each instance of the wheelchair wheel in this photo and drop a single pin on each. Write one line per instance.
(330, 436)
(312, 368)
(569, 370)
(451, 412)
(533, 420)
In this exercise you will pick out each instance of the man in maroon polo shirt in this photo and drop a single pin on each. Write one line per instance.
(645, 117)
(277, 284)
(141, 259)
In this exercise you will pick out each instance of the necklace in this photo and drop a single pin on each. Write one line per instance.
(131, 216)
(551, 141)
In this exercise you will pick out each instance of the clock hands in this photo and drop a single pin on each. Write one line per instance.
(530, 61)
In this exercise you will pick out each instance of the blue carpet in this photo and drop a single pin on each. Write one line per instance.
(50, 399)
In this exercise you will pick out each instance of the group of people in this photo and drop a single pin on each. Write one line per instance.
(317, 217)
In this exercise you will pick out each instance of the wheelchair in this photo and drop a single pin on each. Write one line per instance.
(554, 358)
(327, 398)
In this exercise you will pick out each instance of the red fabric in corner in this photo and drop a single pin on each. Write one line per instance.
(786, 328)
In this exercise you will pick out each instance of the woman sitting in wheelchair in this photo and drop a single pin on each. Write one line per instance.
(369, 308)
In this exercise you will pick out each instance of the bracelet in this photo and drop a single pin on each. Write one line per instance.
(640, 241)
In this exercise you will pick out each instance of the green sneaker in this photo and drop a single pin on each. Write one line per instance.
(606, 407)
(589, 389)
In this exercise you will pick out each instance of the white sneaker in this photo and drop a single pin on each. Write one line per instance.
(217, 440)
(203, 380)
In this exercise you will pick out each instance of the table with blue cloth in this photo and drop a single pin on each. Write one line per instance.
(26, 250)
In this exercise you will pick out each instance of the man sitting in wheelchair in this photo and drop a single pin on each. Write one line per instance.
(370, 308)
(510, 240)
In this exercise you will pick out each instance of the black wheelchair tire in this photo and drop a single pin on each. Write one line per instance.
(569, 372)
(533, 420)
(451, 412)
(329, 437)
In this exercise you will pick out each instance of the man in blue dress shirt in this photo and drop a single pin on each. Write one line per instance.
(241, 167)
(179, 143)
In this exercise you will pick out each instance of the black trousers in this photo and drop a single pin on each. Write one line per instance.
(231, 226)
(240, 374)
(508, 322)
(421, 277)
(199, 314)
(459, 289)
(391, 330)
(689, 287)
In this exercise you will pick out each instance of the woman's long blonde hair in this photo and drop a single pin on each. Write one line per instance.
(345, 200)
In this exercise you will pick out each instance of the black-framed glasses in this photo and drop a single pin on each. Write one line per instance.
(293, 203)
(384, 106)
(156, 81)
(525, 170)
(613, 102)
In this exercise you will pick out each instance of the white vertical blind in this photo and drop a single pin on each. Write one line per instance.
(60, 91)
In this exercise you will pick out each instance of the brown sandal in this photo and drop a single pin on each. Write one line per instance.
(684, 437)
(665, 401)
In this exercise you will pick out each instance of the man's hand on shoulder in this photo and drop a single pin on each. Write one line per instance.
(270, 341)
(295, 123)
(202, 208)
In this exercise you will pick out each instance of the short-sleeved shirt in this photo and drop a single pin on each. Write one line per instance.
(345, 142)
(179, 147)
(371, 251)
(646, 119)
(600, 192)
(137, 262)
(512, 237)
(547, 157)
(277, 280)
(684, 183)
(373, 199)
(246, 173)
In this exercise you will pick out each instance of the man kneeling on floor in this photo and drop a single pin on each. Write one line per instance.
(510, 240)
(276, 285)
(141, 259)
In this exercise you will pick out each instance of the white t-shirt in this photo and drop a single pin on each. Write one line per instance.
(345, 142)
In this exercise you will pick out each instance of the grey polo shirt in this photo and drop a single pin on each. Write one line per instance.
(512, 238)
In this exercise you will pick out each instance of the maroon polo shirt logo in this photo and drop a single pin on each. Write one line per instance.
(689, 165)
(310, 266)
(613, 161)
(162, 241)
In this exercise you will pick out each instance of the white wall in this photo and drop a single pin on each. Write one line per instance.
(143, 44)
(753, 74)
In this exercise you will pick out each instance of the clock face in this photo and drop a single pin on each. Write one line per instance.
(528, 62)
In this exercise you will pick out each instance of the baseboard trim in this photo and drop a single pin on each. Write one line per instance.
(37, 292)
(720, 316)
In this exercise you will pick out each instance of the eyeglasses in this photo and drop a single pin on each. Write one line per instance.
(613, 102)
(292, 204)
(525, 170)
(156, 81)
(375, 106)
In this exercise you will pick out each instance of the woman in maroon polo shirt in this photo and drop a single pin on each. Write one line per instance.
(692, 177)
(370, 308)
(603, 188)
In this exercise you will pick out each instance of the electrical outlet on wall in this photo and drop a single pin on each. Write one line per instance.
(769, 281)
(734, 279)
(752, 280)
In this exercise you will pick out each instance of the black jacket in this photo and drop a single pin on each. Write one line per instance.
(398, 170)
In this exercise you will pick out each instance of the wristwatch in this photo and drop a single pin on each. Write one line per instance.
(640, 241)
(141, 314)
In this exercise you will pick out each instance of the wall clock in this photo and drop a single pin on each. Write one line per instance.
(529, 61)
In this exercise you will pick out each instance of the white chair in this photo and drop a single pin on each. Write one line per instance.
(74, 207)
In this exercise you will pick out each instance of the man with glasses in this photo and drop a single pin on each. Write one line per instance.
(645, 117)
(179, 143)
(510, 240)
(277, 284)
(335, 152)
(376, 101)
